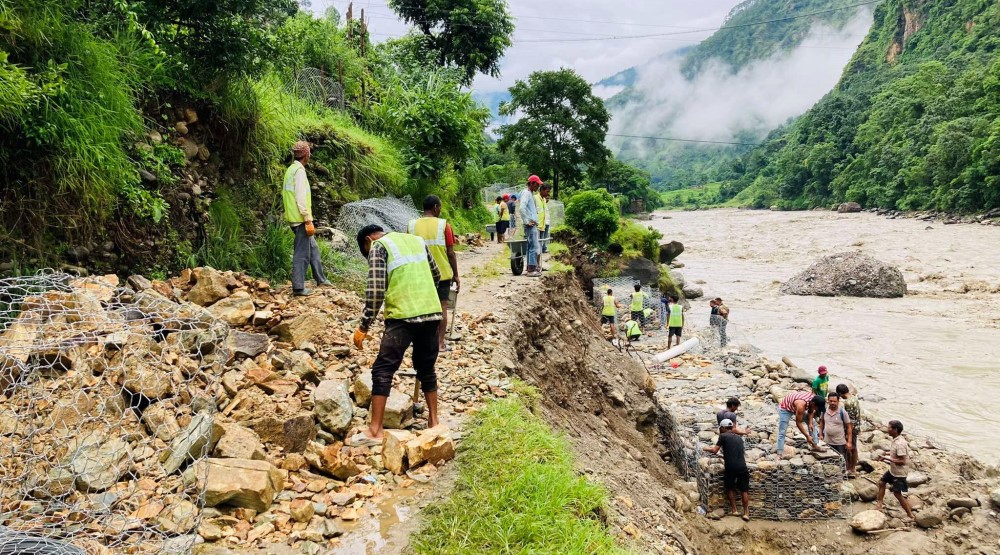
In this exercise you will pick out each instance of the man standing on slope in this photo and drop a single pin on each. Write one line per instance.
(297, 200)
(440, 240)
(402, 273)
(530, 217)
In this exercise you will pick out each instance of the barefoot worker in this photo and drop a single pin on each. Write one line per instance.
(805, 407)
(736, 474)
(296, 197)
(853, 408)
(898, 457)
(403, 274)
(440, 240)
(729, 413)
(610, 309)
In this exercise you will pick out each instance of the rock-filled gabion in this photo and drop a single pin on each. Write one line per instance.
(101, 413)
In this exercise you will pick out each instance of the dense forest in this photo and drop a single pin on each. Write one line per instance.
(741, 41)
(914, 123)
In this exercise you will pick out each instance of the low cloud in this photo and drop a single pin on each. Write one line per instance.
(717, 104)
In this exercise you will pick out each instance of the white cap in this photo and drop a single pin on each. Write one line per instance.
(726, 423)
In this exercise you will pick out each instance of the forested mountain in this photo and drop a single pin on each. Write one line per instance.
(913, 124)
(755, 44)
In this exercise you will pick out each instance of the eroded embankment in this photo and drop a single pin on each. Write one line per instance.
(603, 400)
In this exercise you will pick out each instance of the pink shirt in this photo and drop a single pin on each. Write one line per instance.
(788, 403)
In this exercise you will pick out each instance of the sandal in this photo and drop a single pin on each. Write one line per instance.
(746, 518)
(361, 439)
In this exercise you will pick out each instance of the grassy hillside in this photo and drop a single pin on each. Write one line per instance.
(914, 123)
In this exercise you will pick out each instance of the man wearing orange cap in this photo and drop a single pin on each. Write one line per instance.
(529, 212)
(297, 200)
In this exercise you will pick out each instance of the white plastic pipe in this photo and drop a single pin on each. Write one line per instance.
(677, 351)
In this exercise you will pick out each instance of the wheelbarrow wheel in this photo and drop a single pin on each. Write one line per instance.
(517, 265)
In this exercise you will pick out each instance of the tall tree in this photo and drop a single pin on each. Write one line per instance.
(560, 128)
(469, 34)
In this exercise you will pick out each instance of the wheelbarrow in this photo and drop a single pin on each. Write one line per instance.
(519, 252)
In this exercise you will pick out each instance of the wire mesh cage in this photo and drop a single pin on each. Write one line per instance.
(106, 405)
(315, 86)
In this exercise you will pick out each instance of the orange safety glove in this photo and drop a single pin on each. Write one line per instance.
(359, 338)
(310, 229)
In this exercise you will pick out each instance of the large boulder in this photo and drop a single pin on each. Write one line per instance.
(333, 406)
(848, 274)
(98, 461)
(239, 443)
(303, 328)
(642, 269)
(194, 442)
(238, 482)
(209, 287)
(235, 310)
(849, 208)
(247, 344)
(670, 251)
(869, 521)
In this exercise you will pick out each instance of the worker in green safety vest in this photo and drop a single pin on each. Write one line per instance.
(633, 331)
(296, 198)
(675, 320)
(638, 303)
(402, 274)
(440, 240)
(610, 309)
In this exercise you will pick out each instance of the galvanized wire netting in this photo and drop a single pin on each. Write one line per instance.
(622, 289)
(317, 87)
(106, 400)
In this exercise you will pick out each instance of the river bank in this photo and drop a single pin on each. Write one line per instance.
(924, 356)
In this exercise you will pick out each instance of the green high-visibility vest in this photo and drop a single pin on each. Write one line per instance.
(676, 319)
(542, 214)
(292, 214)
(411, 290)
(632, 329)
(431, 230)
(637, 301)
(609, 306)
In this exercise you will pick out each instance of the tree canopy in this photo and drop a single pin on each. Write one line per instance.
(560, 128)
(471, 35)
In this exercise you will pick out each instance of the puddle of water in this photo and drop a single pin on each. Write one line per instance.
(372, 534)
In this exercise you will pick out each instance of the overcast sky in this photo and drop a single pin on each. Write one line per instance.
(571, 20)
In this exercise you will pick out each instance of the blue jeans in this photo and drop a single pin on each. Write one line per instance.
(531, 236)
(784, 416)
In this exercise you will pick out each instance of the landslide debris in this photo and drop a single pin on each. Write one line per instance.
(849, 274)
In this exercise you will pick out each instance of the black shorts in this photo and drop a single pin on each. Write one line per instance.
(444, 289)
(607, 319)
(675, 331)
(736, 481)
(637, 315)
(842, 449)
(895, 483)
(502, 227)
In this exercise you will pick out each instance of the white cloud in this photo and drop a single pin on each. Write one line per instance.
(548, 20)
(718, 104)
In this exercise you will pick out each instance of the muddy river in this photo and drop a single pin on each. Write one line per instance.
(929, 359)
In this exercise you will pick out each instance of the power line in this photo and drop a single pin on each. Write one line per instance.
(682, 140)
(723, 28)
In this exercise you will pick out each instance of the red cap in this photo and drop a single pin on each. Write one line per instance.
(535, 179)
(822, 370)
(506, 197)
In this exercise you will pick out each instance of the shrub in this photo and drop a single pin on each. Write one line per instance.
(594, 215)
(638, 240)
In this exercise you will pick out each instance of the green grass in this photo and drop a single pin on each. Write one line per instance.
(496, 266)
(695, 197)
(517, 493)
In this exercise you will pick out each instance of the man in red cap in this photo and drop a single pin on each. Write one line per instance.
(529, 212)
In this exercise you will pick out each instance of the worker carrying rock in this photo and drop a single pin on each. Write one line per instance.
(403, 274)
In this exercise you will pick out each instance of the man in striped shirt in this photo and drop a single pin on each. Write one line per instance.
(804, 406)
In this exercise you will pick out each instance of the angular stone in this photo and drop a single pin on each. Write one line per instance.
(209, 287)
(302, 510)
(394, 450)
(98, 462)
(238, 442)
(292, 434)
(160, 421)
(246, 344)
(337, 463)
(179, 517)
(262, 317)
(138, 283)
(333, 406)
(995, 498)
(194, 442)
(301, 365)
(869, 521)
(146, 378)
(398, 410)
(363, 389)
(238, 482)
(302, 328)
(235, 310)
(433, 445)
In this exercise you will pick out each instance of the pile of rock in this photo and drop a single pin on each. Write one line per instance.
(848, 274)
(134, 400)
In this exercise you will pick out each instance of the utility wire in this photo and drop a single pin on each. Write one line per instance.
(681, 140)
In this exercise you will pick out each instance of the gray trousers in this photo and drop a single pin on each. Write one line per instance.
(306, 256)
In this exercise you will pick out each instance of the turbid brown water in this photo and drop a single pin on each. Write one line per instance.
(929, 359)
